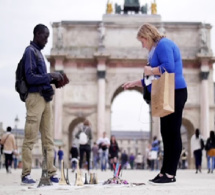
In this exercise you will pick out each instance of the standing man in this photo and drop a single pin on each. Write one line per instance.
(38, 104)
(103, 143)
(8, 140)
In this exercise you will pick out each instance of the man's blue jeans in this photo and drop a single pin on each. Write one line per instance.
(104, 159)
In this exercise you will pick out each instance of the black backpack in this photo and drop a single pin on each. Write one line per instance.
(21, 84)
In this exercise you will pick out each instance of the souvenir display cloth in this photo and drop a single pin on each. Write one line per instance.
(116, 179)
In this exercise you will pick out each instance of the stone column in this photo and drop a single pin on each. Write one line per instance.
(204, 99)
(58, 106)
(101, 72)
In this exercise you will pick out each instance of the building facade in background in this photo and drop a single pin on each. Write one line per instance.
(99, 56)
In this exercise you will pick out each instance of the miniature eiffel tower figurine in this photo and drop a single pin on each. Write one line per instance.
(62, 178)
(79, 181)
(86, 182)
(91, 178)
(44, 180)
(75, 179)
(95, 179)
(67, 177)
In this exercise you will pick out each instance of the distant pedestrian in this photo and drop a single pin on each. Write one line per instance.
(155, 149)
(8, 141)
(124, 160)
(15, 157)
(131, 160)
(74, 156)
(113, 151)
(60, 154)
(84, 135)
(197, 150)
(183, 158)
(95, 151)
(148, 157)
(103, 143)
(139, 161)
(210, 148)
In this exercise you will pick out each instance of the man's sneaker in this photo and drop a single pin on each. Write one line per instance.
(27, 180)
(163, 180)
(54, 179)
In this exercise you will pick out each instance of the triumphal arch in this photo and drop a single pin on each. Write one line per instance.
(99, 56)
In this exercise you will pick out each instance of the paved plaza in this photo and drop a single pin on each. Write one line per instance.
(188, 183)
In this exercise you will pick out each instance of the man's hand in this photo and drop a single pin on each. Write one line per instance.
(56, 76)
(63, 82)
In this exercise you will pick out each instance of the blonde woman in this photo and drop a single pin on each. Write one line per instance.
(163, 55)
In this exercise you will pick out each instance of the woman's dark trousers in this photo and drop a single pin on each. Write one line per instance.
(171, 134)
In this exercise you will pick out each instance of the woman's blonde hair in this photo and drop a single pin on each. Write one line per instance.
(150, 33)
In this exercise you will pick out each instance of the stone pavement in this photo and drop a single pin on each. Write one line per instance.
(188, 183)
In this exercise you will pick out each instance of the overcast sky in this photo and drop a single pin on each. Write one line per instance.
(18, 18)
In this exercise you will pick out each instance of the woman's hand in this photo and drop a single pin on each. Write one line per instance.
(131, 84)
(148, 70)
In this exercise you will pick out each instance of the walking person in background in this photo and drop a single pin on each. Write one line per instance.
(210, 148)
(124, 159)
(131, 160)
(113, 151)
(155, 149)
(164, 55)
(74, 156)
(139, 161)
(85, 136)
(60, 156)
(15, 157)
(95, 150)
(148, 157)
(8, 141)
(196, 150)
(183, 158)
(103, 143)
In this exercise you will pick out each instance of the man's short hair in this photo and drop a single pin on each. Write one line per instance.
(39, 28)
(9, 129)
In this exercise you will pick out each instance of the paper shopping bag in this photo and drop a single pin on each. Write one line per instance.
(163, 95)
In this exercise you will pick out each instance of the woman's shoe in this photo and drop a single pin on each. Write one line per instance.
(208, 170)
(164, 180)
(157, 177)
